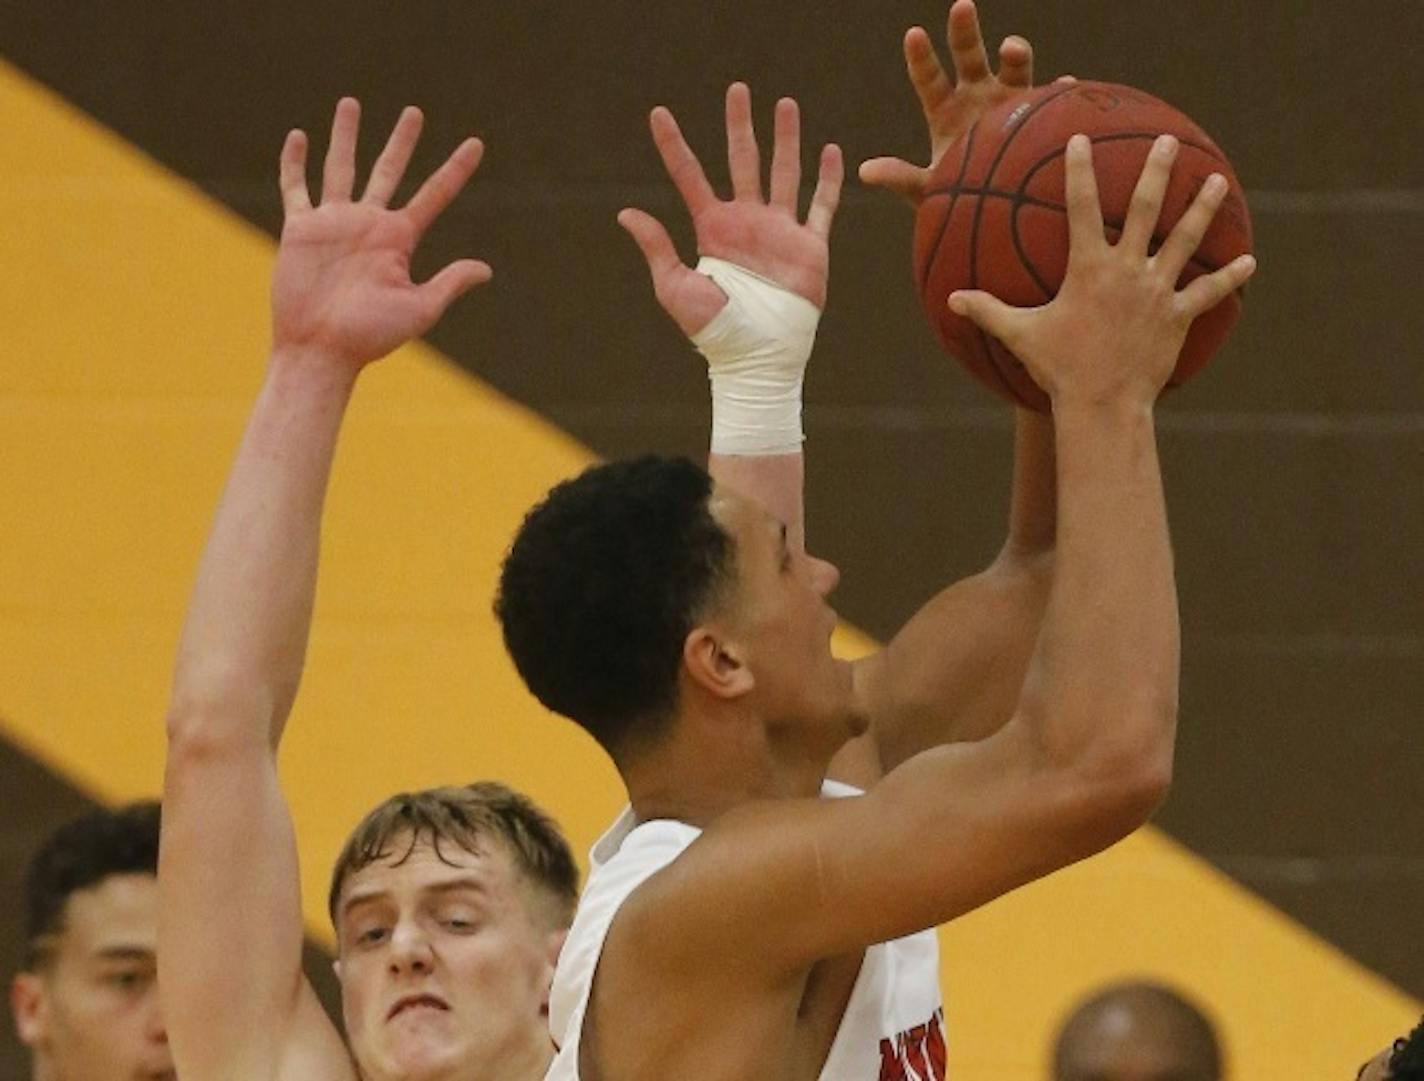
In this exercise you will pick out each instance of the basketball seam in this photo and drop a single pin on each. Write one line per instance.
(984, 338)
(949, 211)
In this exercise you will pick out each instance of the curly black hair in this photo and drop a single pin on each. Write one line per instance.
(1406, 1060)
(79, 856)
(601, 586)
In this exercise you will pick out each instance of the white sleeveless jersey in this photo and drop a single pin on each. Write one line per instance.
(893, 1026)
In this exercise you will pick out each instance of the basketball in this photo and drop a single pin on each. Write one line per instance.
(993, 216)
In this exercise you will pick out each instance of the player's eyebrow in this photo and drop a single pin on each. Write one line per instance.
(454, 885)
(124, 952)
(449, 885)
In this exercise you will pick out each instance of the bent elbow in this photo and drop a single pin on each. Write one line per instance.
(1121, 795)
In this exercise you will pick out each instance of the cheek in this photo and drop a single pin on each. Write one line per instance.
(357, 991)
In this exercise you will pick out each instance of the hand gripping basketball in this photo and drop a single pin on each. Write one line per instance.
(994, 217)
(1115, 328)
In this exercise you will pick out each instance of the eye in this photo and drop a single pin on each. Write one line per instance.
(460, 920)
(370, 936)
(127, 980)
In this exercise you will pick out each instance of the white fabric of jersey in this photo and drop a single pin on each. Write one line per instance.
(897, 993)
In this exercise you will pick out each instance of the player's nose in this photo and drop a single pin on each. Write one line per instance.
(410, 949)
(153, 1027)
(826, 576)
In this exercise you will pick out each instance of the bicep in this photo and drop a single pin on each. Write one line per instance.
(231, 929)
(778, 885)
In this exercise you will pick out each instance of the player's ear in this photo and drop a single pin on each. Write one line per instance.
(553, 945)
(715, 663)
(30, 1005)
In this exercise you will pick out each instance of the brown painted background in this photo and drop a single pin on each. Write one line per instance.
(1295, 465)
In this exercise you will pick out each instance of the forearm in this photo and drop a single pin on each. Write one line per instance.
(1033, 500)
(776, 481)
(1102, 685)
(244, 641)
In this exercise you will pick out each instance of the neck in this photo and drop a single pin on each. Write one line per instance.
(712, 761)
(525, 1060)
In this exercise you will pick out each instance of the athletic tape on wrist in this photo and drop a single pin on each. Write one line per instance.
(756, 349)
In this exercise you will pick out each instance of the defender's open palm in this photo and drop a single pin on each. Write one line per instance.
(952, 107)
(342, 282)
(1115, 328)
(763, 235)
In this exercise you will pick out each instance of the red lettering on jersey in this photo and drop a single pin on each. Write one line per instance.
(917, 1054)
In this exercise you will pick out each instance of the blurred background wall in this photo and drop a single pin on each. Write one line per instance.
(1285, 876)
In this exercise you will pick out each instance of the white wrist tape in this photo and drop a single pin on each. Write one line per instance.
(756, 349)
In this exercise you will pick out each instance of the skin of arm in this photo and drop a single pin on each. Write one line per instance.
(759, 233)
(1086, 754)
(981, 630)
(231, 929)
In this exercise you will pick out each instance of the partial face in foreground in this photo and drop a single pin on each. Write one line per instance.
(445, 965)
(90, 1012)
(777, 609)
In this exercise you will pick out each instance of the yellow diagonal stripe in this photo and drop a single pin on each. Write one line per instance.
(134, 316)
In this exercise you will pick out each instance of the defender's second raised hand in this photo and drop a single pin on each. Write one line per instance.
(342, 287)
(951, 107)
(764, 236)
(1117, 324)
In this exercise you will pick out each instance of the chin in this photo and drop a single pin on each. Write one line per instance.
(415, 1058)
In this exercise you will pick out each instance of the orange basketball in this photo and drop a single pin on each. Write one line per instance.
(993, 216)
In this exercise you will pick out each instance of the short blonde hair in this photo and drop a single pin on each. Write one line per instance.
(468, 816)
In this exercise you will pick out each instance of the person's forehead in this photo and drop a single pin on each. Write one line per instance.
(407, 873)
(118, 913)
(742, 517)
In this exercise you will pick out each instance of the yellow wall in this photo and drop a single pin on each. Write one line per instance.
(134, 315)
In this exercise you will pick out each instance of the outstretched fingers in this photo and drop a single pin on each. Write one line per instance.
(1085, 213)
(743, 158)
(390, 167)
(1186, 237)
(441, 187)
(450, 283)
(292, 173)
(653, 241)
(1209, 290)
(966, 43)
(895, 174)
(927, 74)
(1016, 63)
(681, 163)
(1145, 207)
(339, 172)
(990, 314)
(827, 195)
(786, 156)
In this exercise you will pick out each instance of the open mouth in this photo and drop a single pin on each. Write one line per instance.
(414, 1002)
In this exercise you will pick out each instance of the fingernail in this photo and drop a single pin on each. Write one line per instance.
(1215, 184)
(1078, 143)
(1166, 144)
(957, 304)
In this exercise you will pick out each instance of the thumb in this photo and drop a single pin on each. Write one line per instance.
(896, 175)
(652, 240)
(988, 313)
(455, 280)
